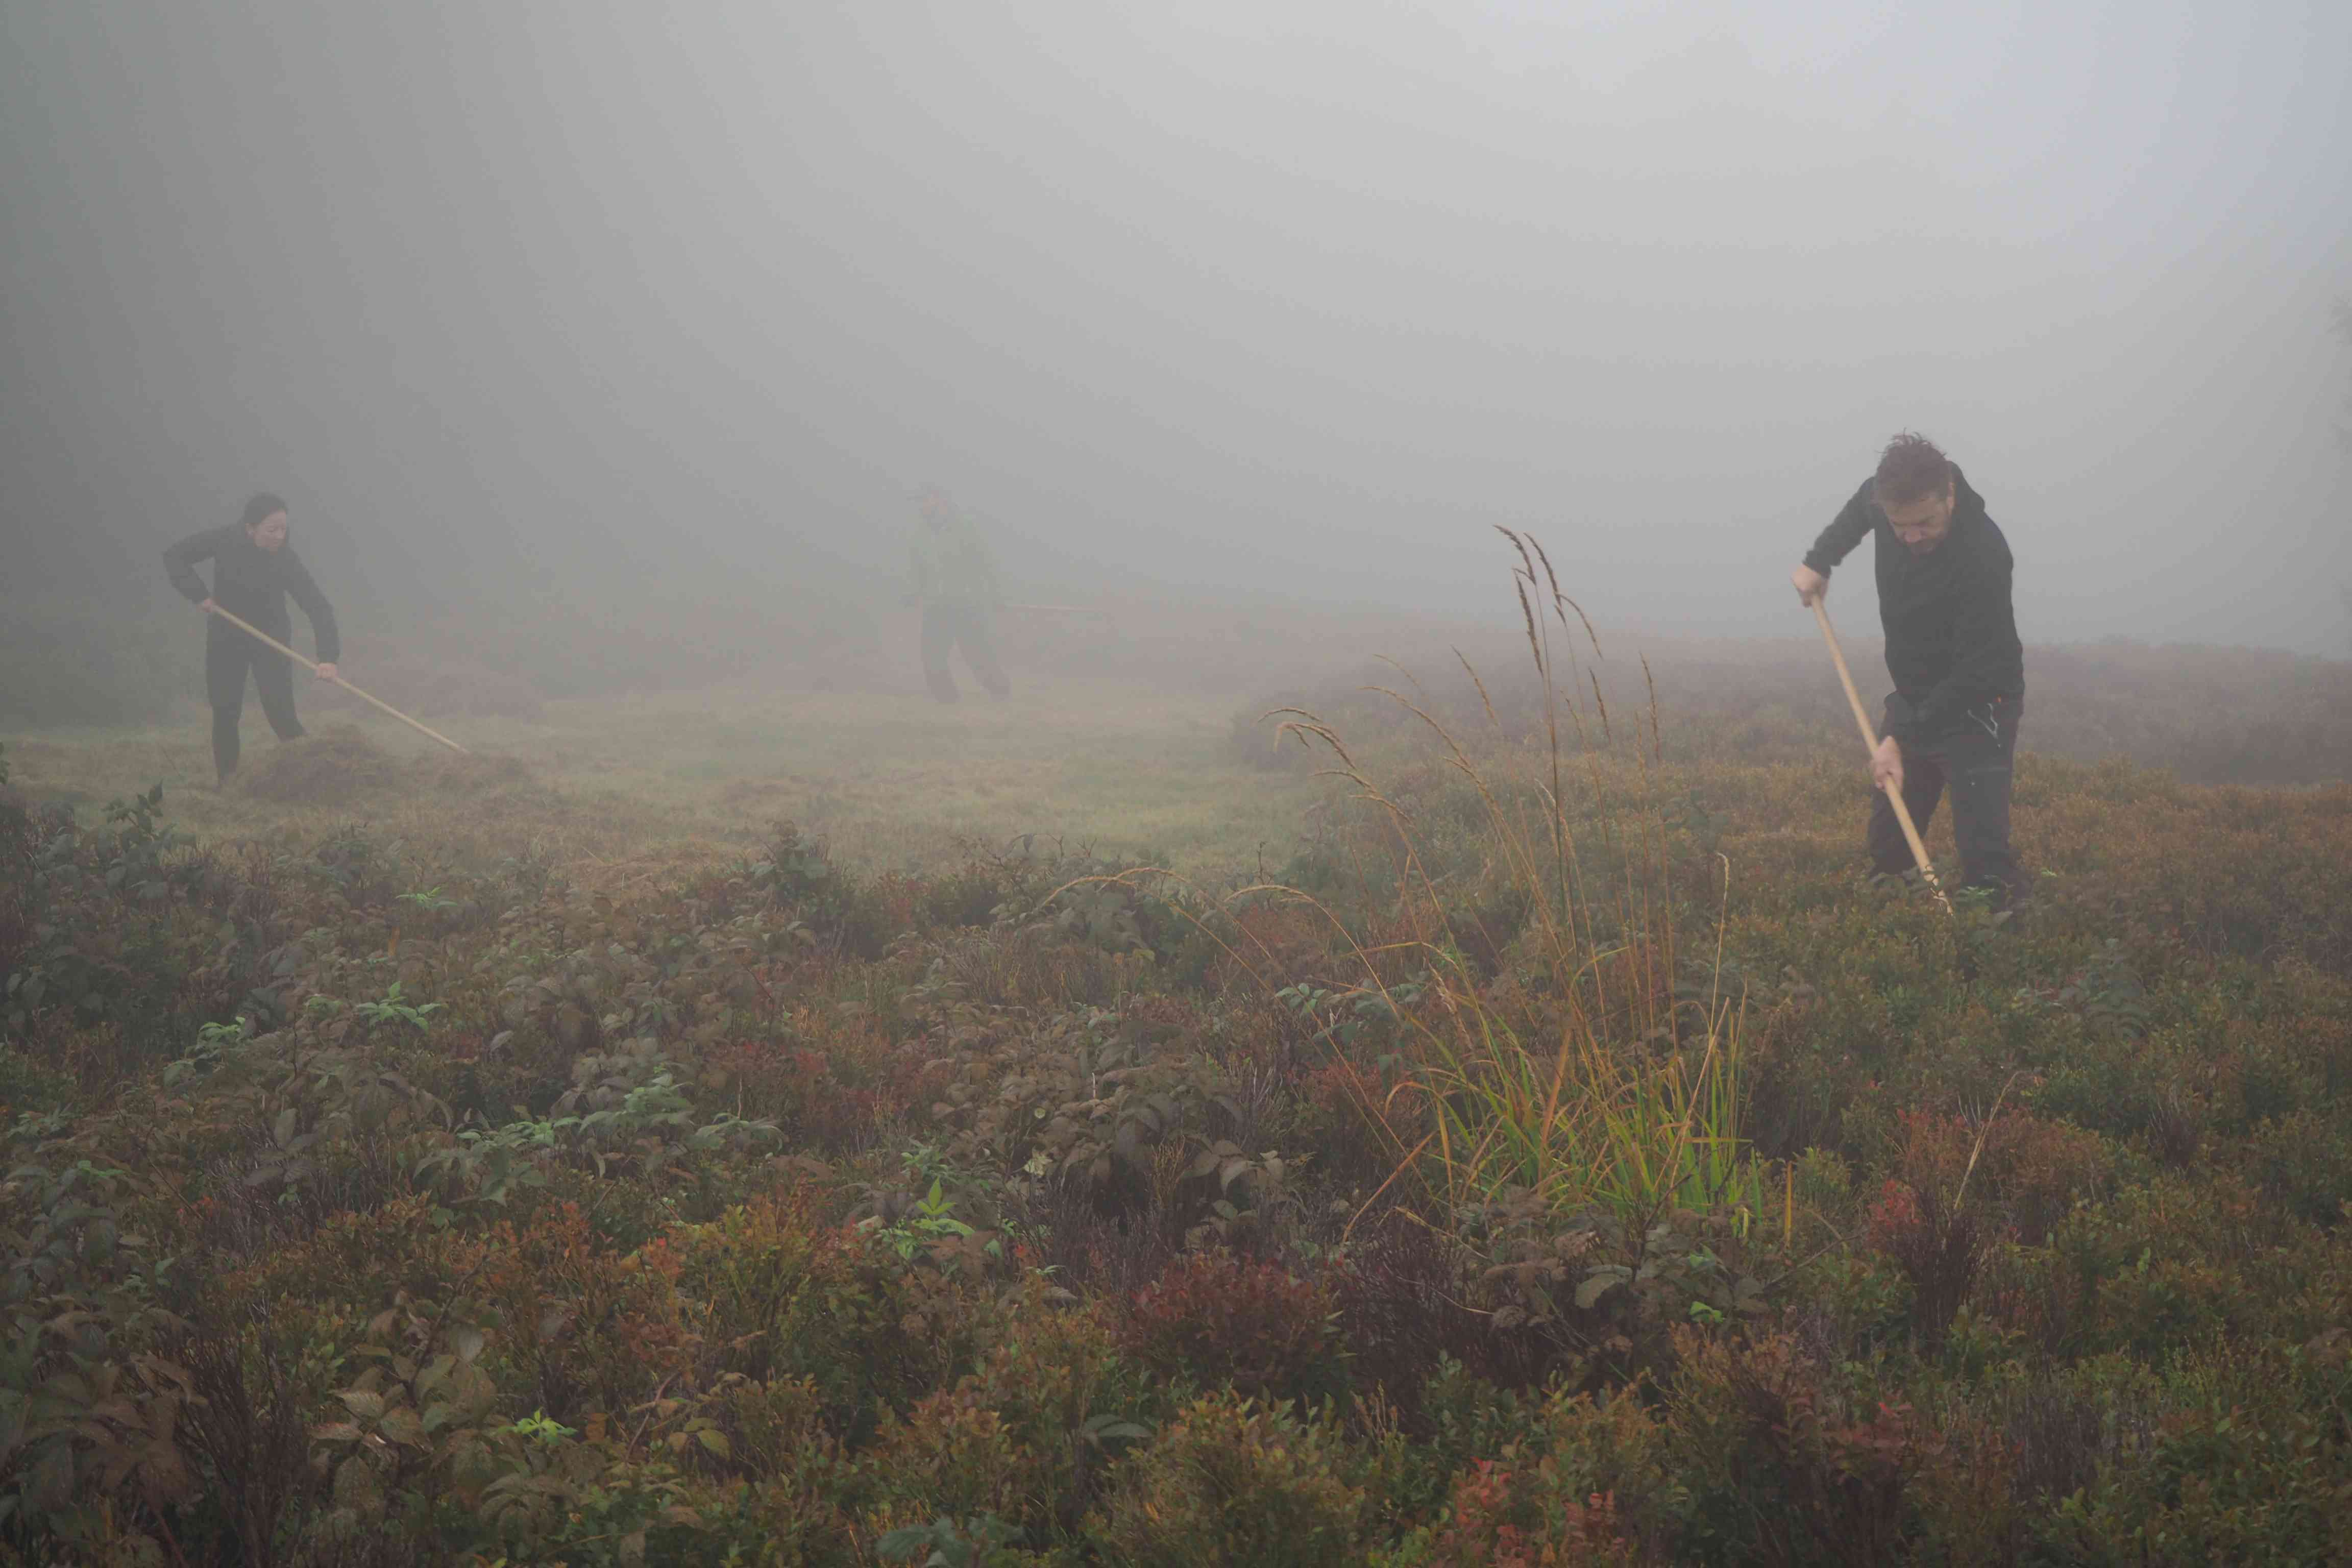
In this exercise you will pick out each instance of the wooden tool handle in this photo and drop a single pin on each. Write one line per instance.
(255, 632)
(1870, 741)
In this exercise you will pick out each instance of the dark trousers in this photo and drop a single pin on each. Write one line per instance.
(228, 654)
(1975, 759)
(946, 627)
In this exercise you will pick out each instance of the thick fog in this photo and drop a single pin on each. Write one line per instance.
(1239, 303)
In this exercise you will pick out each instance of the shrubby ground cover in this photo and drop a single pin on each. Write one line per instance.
(1562, 1155)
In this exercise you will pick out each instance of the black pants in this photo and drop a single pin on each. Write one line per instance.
(228, 654)
(1975, 759)
(946, 627)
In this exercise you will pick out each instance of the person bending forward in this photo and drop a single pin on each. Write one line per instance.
(254, 572)
(1944, 573)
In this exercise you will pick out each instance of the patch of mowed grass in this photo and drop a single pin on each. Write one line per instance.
(673, 781)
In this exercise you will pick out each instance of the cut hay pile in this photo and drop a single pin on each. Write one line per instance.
(329, 767)
(338, 765)
(475, 774)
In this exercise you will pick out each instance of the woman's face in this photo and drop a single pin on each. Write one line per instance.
(270, 532)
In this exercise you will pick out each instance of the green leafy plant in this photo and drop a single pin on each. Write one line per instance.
(948, 1544)
(929, 1222)
(391, 1008)
(428, 901)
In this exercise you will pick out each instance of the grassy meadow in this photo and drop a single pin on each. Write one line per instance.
(743, 1125)
(626, 787)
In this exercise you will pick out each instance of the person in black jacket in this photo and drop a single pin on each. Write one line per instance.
(254, 570)
(1943, 574)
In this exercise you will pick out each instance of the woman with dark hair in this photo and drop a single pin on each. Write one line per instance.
(254, 570)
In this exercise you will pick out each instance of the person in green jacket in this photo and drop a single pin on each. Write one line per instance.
(955, 584)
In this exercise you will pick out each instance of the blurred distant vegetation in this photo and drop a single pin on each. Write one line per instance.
(2212, 715)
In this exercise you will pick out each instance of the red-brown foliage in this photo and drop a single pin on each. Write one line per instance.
(1227, 1322)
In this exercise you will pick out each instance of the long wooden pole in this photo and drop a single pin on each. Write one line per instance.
(1870, 740)
(253, 631)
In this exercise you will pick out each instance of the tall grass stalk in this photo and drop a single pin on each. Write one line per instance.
(1625, 1099)
(1618, 1096)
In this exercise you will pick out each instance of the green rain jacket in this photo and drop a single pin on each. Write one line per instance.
(952, 566)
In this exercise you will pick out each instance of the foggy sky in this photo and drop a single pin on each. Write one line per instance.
(1246, 301)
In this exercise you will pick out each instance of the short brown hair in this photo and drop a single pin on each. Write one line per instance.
(1911, 469)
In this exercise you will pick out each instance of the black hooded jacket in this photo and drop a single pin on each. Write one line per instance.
(1952, 634)
(252, 583)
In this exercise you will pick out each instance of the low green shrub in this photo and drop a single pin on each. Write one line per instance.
(1231, 1482)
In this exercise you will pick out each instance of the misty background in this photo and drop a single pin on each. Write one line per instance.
(597, 313)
